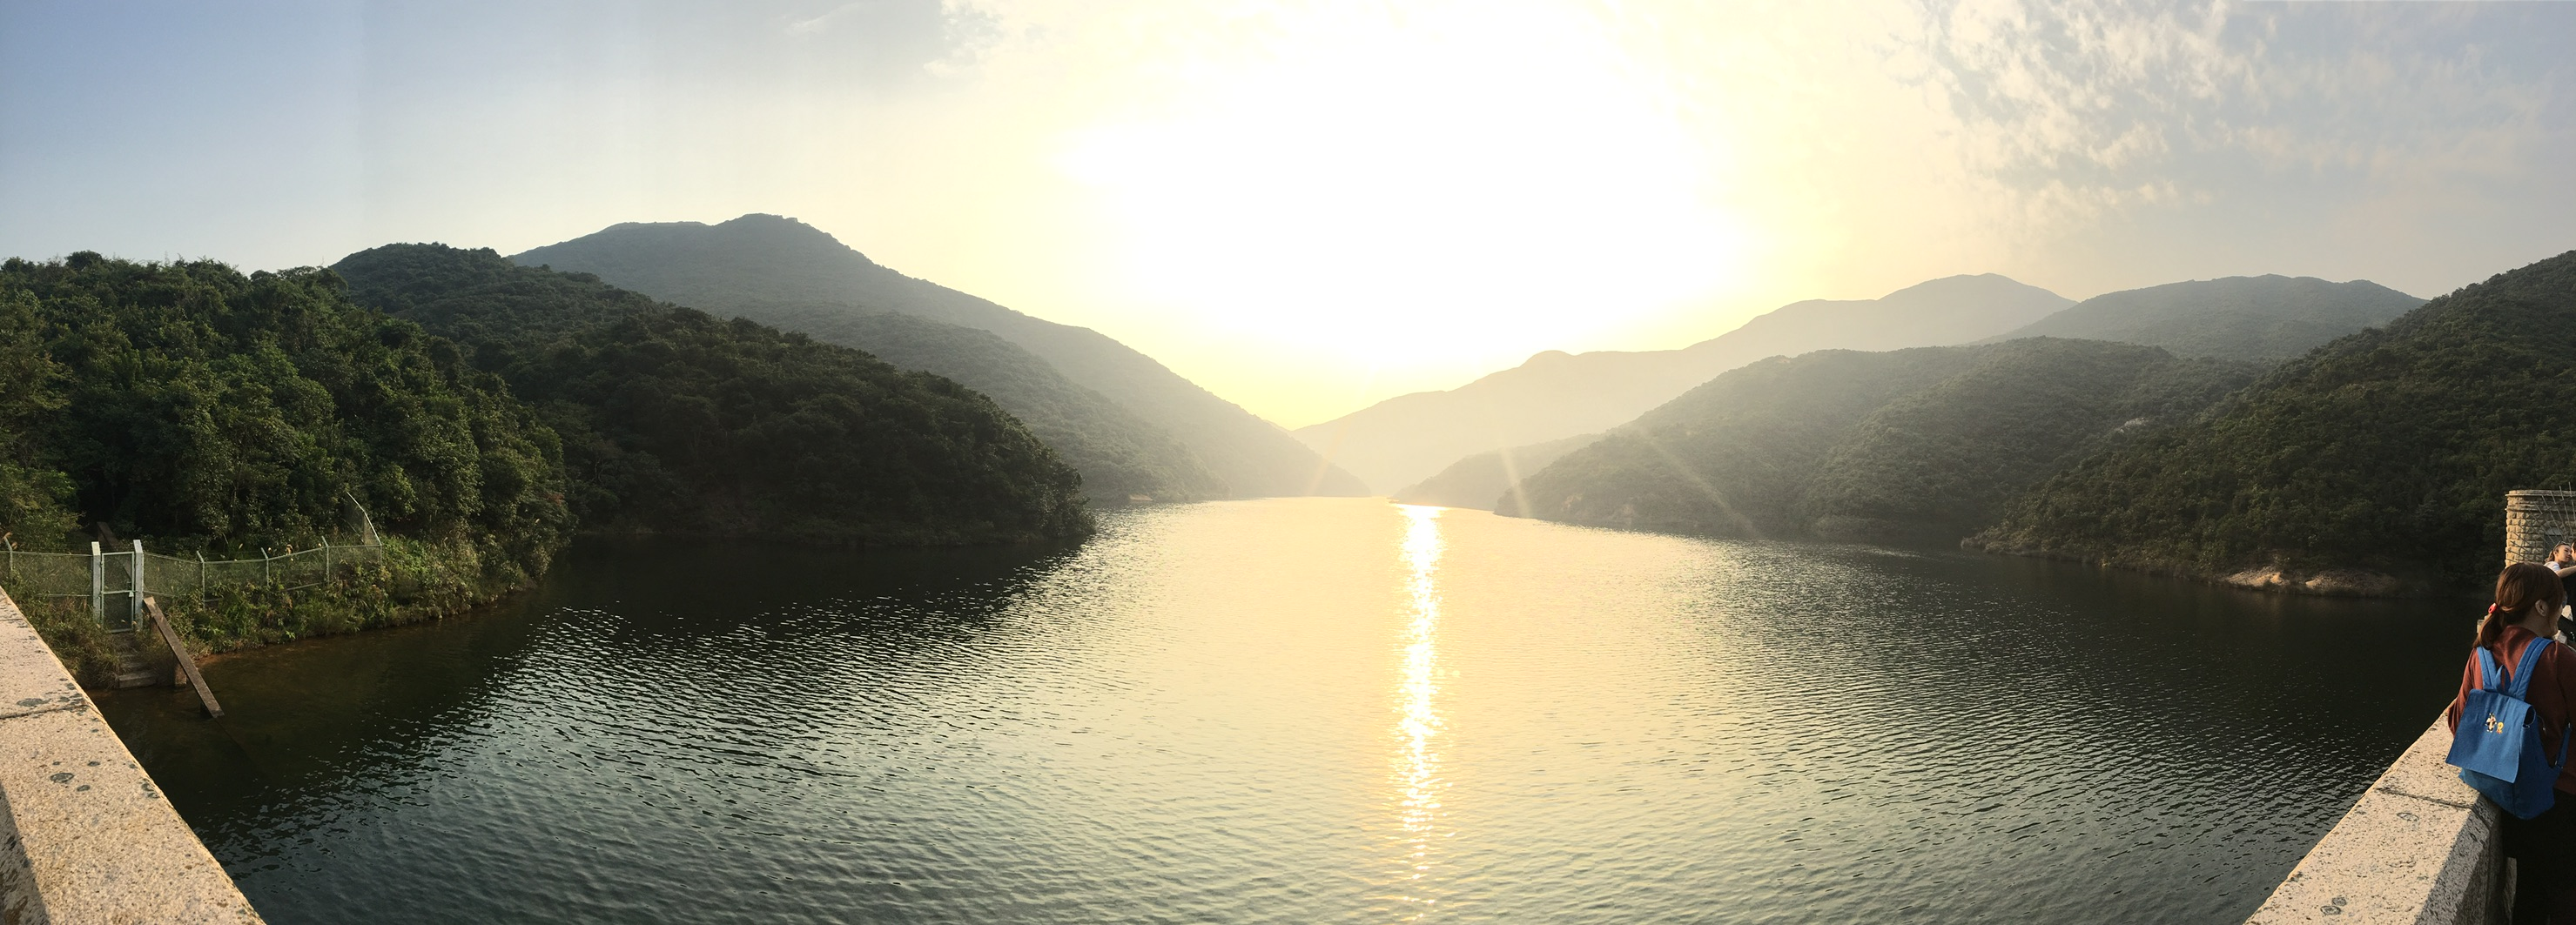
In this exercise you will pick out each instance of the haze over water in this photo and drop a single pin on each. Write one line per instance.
(1304, 710)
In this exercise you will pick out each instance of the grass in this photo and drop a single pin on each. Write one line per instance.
(76, 637)
(416, 581)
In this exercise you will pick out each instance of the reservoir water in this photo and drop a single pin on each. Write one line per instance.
(1304, 710)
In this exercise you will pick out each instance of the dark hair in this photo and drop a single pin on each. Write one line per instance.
(2519, 586)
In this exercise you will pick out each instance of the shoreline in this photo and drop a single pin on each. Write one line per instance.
(481, 606)
(472, 612)
(2264, 579)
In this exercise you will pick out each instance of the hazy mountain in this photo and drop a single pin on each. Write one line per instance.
(1480, 481)
(2239, 317)
(1557, 395)
(780, 271)
(1118, 454)
(2389, 450)
(1838, 443)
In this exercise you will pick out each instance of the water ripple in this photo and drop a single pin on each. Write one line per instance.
(1304, 710)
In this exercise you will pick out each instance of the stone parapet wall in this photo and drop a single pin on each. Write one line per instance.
(85, 836)
(2536, 520)
(2418, 847)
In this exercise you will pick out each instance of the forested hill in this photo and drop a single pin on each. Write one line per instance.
(778, 271)
(1118, 453)
(675, 421)
(2388, 451)
(194, 406)
(2266, 318)
(1556, 395)
(1924, 442)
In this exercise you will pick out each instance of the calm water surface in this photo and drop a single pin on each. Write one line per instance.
(1305, 710)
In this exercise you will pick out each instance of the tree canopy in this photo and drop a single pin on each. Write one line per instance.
(675, 421)
(2388, 450)
(1168, 435)
(1927, 441)
(190, 403)
(1118, 453)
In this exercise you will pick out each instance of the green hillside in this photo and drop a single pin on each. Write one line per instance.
(777, 271)
(673, 421)
(2264, 318)
(2387, 451)
(1118, 454)
(1946, 459)
(193, 405)
(201, 410)
(1928, 441)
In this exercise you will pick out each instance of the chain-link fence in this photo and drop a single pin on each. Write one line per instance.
(113, 582)
(45, 575)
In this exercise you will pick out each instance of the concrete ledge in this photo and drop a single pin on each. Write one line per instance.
(86, 836)
(2419, 847)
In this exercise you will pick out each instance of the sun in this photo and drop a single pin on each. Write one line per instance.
(1404, 188)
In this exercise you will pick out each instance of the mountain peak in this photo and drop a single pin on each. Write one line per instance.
(631, 226)
(640, 248)
(1554, 395)
(1147, 430)
(1971, 286)
(763, 221)
(2267, 317)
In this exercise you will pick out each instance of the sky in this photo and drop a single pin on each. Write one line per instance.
(1310, 206)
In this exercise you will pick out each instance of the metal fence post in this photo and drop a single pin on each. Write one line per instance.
(134, 595)
(326, 559)
(201, 574)
(97, 584)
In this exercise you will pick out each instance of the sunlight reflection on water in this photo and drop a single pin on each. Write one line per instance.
(1298, 711)
(1417, 772)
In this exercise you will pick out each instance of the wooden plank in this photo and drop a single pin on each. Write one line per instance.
(189, 665)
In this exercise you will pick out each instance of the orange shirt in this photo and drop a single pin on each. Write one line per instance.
(2553, 689)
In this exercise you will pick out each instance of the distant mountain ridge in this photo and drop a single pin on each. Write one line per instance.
(1923, 442)
(2376, 462)
(1484, 480)
(1556, 395)
(782, 272)
(2268, 317)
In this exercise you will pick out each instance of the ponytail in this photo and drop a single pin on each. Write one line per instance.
(2518, 587)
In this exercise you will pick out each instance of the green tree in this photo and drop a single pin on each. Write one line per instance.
(35, 500)
(674, 421)
(1908, 443)
(190, 403)
(2388, 450)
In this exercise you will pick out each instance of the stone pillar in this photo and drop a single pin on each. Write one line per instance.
(2535, 521)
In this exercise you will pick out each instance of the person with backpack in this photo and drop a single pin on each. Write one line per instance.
(2516, 691)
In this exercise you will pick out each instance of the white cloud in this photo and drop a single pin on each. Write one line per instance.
(1283, 197)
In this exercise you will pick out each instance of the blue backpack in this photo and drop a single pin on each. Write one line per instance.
(2497, 747)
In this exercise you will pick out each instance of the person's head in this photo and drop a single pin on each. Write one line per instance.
(2526, 592)
(2566, 552)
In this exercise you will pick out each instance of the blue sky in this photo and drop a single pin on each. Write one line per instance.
(1308, 205)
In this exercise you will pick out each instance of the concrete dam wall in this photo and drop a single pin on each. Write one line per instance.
(86, 837)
